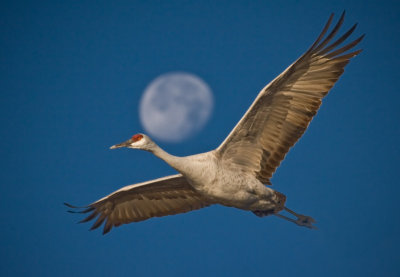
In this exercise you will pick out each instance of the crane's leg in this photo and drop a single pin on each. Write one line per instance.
(302, 220)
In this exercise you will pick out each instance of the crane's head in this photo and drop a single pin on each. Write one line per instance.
(138, 141)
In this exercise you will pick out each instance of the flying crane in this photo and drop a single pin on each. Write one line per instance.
(237, 173)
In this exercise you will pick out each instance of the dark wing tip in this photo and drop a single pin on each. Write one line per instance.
(98, 222)
(345, 48)
(331, 35)
(319, 47)
(322, 34)
(89, 217)
(71, 206)
(342, 15)
(107, 229)
(86, 209)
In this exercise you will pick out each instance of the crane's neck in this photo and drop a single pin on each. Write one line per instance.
(178, 163)
(199, 169)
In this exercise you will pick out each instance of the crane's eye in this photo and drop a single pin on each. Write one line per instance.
(136, 137)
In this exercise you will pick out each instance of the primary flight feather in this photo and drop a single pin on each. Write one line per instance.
(237, 172)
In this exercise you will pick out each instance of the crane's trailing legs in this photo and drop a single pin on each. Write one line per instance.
(302, 220)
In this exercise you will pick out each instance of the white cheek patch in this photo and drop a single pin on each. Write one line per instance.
(136, 144)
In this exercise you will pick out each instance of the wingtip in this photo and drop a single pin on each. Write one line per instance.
(69, 205)
(341, 18)
(358, 52)
(74, 207)
(328, 23)
(358, 40)
(351, 30)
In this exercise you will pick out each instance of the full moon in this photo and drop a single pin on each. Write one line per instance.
(175, 106)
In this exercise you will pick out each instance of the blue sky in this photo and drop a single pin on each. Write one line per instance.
(72, 75)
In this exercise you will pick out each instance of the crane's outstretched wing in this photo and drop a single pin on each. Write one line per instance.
(165, 196)
(284, 108)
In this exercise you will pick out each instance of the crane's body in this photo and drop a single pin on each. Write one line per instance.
(237, 173)
(222, 184)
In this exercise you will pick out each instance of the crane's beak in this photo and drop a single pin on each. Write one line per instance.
(123, 144)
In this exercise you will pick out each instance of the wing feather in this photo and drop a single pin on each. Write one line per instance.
(284, 108)
(165, 196)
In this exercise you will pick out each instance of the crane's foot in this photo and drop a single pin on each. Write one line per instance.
(302, 220)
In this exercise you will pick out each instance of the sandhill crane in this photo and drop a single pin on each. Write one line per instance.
(237, 173)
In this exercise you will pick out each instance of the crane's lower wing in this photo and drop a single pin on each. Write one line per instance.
(284, 108)
(165, 196)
